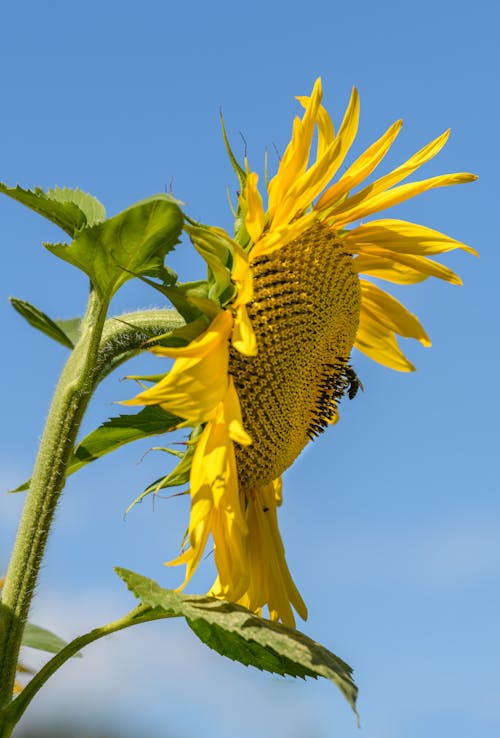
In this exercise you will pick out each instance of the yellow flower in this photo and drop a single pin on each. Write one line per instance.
(268, 372)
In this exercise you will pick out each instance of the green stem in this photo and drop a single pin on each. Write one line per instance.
(124, 336)
(14, 712)
(71, 398)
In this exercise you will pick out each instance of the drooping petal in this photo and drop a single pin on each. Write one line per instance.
(269, 583)
(379, 343)
(391, 313)
(216, 505)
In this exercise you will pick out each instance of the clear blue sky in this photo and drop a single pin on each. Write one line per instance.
(392, 518)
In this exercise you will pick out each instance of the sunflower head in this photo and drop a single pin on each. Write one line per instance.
(266, 361)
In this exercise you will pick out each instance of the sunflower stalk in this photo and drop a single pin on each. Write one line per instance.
(103, 345)
(71, 398)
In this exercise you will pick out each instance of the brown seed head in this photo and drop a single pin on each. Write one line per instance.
(305, 315)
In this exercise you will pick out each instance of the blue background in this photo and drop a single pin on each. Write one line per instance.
(391, 519)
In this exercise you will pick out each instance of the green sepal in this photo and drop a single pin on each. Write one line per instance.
(70, 209)
(190, 299)
(116, 432)
(216, 251)
(39, 320)
(131, 244)
(43, 640)
(239, 634)
(238, 169)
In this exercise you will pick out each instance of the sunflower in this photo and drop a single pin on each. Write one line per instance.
(263, 370)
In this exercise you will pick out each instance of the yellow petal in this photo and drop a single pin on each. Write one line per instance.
(243, 336)
(254, 217)
(355, 208)
(215, 497)
(362, 168)
(397, 175)
(273, 584)
(380, 344)
(296, 156)
(422, 264)
(278, 237)
(405, 237)
(387, 269)
(308, 186)
(232, 415)
(391, 313)
(326, 132)
(198, 380)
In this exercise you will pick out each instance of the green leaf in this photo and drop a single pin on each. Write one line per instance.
(94, 211)
(71, 210)
(41, 322)
(184, 296)
(116, 432)
(178, 476)
(131, 244)
(71, 327)
(43, 640)
(239, 634)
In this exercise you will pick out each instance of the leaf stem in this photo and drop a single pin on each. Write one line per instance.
(14, 712)
(71, 398)
(125, 335)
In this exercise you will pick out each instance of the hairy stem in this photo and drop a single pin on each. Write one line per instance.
(72, 395)
(125, 335)
(103, 345)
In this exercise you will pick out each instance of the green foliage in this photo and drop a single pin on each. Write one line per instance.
(43, 323)
(71, 327)
(70, 209)
(239, 634)
(217, 254)
(178, 476)
(41, 639)
(93, 210)
(116, 432)
(131, 244)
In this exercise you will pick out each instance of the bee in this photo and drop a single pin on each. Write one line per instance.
(353, 382)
